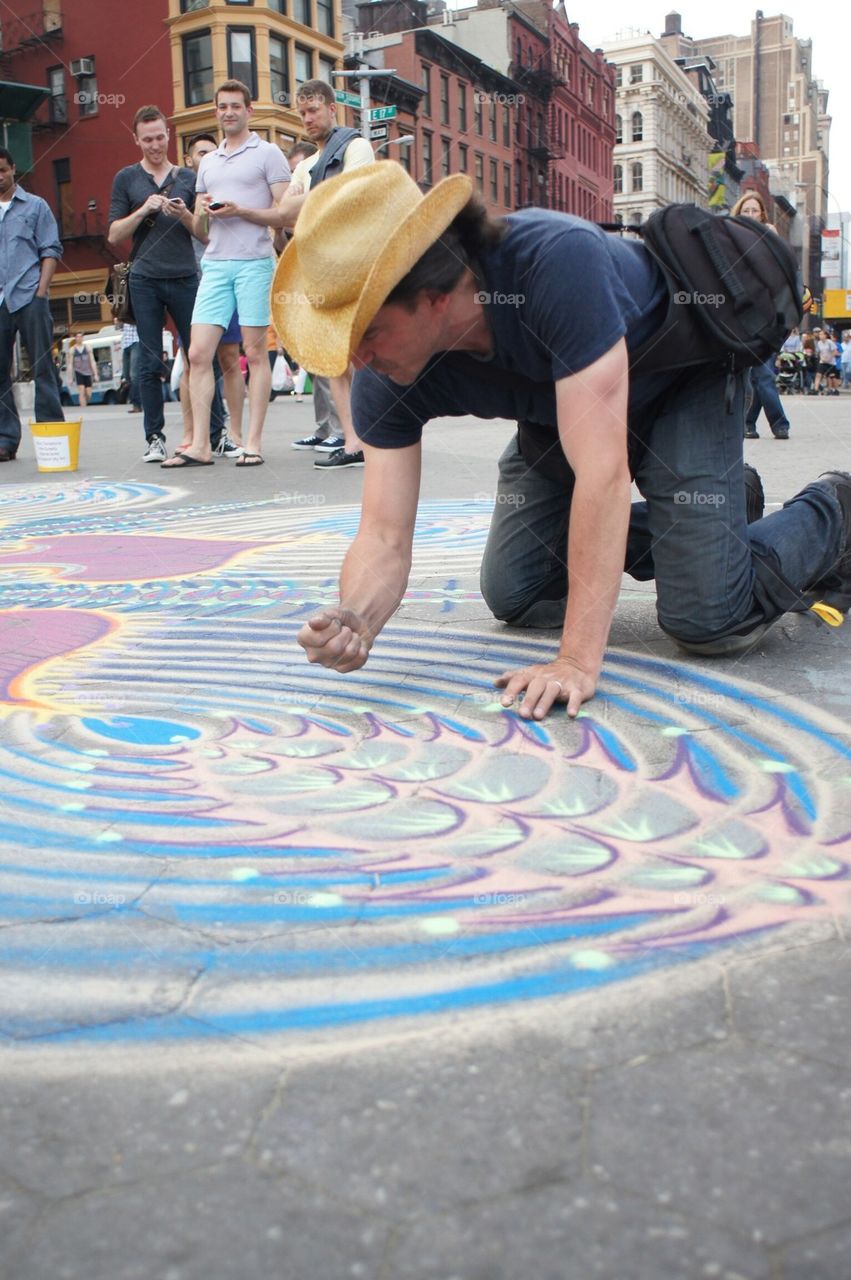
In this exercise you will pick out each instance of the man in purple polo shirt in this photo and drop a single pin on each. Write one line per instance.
(239, 186)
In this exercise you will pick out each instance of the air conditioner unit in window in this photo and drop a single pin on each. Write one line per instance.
(82, 67)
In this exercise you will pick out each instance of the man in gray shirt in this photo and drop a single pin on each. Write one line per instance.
(151, 203)
(29, 248)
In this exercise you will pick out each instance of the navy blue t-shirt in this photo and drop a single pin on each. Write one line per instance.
(561, 294)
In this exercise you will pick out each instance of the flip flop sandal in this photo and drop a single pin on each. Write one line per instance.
(186, 460)
(250, 460)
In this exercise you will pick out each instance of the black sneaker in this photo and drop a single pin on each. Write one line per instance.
(835, 587)
(156, 450)
(781, 433)
(308, 442)
(751, 433)
(754, 495)
(340, 459)
(330, 444)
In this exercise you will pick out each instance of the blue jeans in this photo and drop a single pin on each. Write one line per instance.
(35, 325)
(151, 300)
(130, 373)
(766, 396)
(717, 578)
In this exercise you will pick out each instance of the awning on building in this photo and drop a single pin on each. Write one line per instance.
(19, 101)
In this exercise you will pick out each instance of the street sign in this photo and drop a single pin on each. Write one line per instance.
(381, 113)
(378, 133)
(347, 99)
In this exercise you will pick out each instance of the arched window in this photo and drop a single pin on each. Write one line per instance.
(618, 129)
(638, 176)
(618, 179)
(637, 127)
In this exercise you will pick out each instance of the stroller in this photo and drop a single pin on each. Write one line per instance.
(789, 372)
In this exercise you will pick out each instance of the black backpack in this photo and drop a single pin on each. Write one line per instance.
(734, 291)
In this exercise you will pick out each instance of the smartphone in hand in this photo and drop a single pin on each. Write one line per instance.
(216, 204)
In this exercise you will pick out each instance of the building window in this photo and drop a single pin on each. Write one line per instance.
(445, 149)
(618, 179)
(326, 70)
(425, 85)
(303, 66)
(444, 99)
(64, 198)
(618, 77)
(618, 129)
(492, 121)
(241, 62)
(462, 106)
(86, 95)
(428, 177)
(279, 6)
(480, 171)
(58, 101)
(506, 185)
(189, 6)
(198, 68)
(494, 181)
(301, 13)
(637, 127)
(325, 17)
(637, 176)
(506, 126)
(636, 73)
(462, 157)
(279, 71)
(405, 157)
(478, 97)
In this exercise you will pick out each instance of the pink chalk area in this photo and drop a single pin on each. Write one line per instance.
(29, 637)
(108, 557)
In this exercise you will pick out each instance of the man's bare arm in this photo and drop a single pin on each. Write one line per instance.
(375, 570)
(592, 415)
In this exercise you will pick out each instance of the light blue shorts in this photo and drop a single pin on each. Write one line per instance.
(234, 284)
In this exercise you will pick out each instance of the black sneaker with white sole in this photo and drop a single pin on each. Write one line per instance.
(308, 442)
(340, 459)
(156, 450)
(330, 444)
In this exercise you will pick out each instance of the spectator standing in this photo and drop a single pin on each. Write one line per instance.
(151, 204)
(29, 249)
(84, 369)
(826, 353)
(227, 444)
(336, 150)
(845, 360)
(130, 364)
(764, 394)
(239, 185)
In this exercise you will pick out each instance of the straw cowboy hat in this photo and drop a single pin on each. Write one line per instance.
(356, 237)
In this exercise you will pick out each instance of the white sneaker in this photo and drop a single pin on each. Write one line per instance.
(156, 450)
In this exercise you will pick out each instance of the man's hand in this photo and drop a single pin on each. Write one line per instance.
(336, 638)
(224, 209)
(545, 683)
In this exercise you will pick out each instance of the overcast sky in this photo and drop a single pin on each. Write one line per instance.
(826, 22)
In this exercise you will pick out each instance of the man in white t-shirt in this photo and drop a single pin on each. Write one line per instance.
(340, 150)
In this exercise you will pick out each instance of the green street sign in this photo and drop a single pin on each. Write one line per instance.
(347, 99)
(380, 113)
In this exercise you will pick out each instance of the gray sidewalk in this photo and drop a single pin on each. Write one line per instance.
(328, 977)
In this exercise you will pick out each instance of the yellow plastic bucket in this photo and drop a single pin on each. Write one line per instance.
(57, 445)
